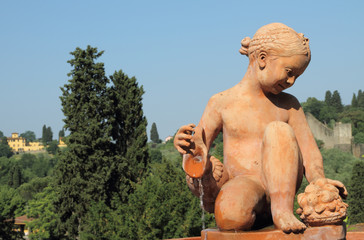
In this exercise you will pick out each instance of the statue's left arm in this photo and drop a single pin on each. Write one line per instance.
(312, 158)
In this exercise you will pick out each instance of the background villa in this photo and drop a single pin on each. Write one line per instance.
(19, 144)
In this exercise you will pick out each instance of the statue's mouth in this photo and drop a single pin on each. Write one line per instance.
(281, 86)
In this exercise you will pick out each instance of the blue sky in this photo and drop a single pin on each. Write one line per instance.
(182, 52)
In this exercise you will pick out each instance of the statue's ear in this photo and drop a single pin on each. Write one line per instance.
(262, 59)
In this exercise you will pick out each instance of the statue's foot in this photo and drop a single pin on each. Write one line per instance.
(287, 222)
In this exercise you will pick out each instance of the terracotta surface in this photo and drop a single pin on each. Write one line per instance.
(268, 145)
(321, 204)
(312, 233)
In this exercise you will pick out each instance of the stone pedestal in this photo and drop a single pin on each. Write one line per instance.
(328, 232)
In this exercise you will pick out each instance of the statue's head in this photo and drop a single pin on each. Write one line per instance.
(275, 39)
(278, 55)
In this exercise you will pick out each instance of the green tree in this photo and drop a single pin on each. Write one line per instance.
(42, 209)
(49, 134)
(5, 150)
(128, 127)
(155, 156)
(52, 147)
(360, 99)
(44, 134)
(29, 136)
(15, 177)
(154, 136)
(1, 134)
(107, 152)
(336, 101)
(354, 101)
(338, 164)
(168, 207)
(36, 185)
(10, 206)
(359, 137)
(61, 134)
(100, 223)
(313, 106)
(356, 116)
(327, 113)
(328, 98)
(83, 171)
(356, 197)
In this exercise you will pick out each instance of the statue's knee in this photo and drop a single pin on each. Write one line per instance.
(233, 216)
(278, 129)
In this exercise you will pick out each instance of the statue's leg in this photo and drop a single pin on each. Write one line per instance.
(282, 174)
(238, 203)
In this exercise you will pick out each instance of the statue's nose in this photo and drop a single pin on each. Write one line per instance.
(291, 80)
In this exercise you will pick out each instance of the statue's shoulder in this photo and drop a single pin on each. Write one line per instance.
(226, 95)
(220, 98)
(288, 100)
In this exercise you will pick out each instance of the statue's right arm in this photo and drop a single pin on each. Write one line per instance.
(212, 181)
(211, 120)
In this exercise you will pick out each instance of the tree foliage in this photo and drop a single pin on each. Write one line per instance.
(10, 205)
(167, 207)
(47, 134)
(356, 197)
(61, 133)
(15, 177)
(128, 132)
(29, 136)
(5, 149)
(338, 164)
(107, 152)
(154, 136)
(313, 106)
(82, 172)
(52, 147)
(45, 222)
(336, 101)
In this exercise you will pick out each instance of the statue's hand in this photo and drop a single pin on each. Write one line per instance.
(217, 168)
(321, 203)
(339, 185)
(183, 140)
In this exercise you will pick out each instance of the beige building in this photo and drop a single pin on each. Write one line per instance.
(19, 144)
(61, 143)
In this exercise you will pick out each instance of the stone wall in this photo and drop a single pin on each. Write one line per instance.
(358, 150)
(339, 137)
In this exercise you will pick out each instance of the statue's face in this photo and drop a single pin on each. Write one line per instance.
(281, 73)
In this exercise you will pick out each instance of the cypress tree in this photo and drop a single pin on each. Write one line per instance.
(107, 152)
(336, 101)
(61, 133)
(128, 127)
(356, 197)
(354, 101)
(15, 177)
(154, 136)
(44, 134)
(328, 98)
(5, 149)
(83, 170)
(360, 99)
(49, 135)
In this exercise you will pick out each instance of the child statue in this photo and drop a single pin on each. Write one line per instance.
(268, 145)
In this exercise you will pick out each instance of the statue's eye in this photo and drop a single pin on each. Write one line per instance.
(289, 72)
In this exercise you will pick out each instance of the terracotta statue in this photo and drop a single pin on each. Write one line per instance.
(268, 145)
